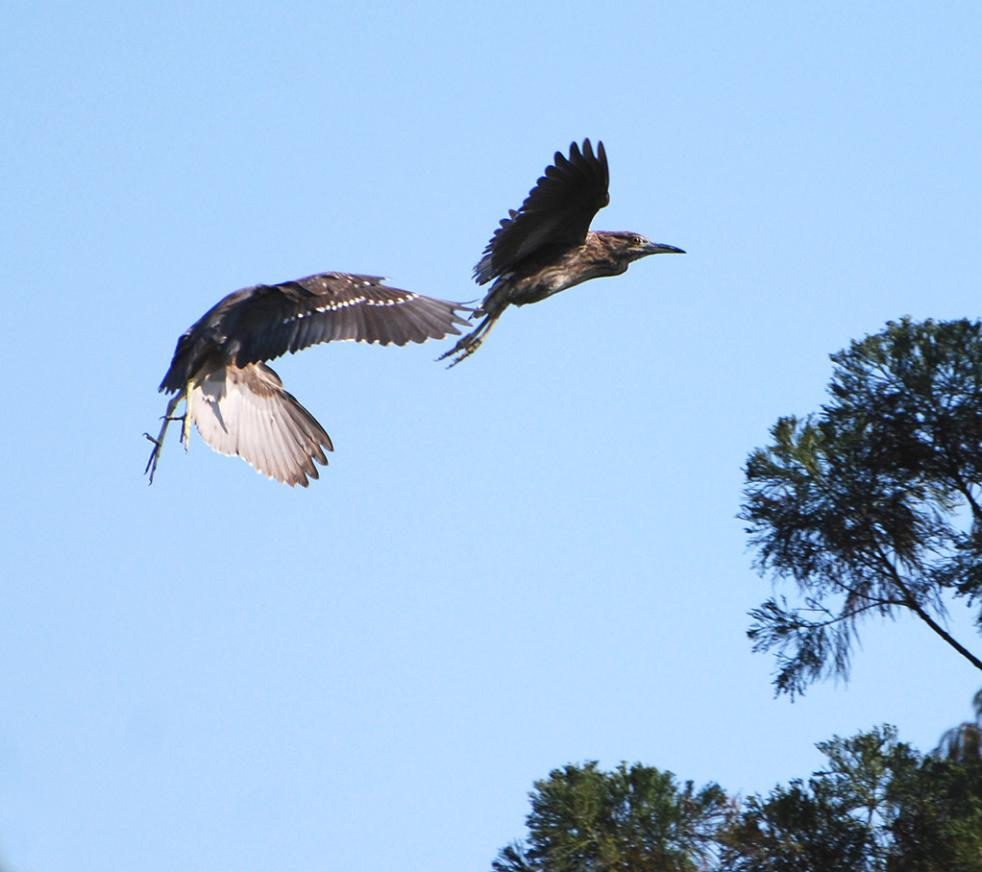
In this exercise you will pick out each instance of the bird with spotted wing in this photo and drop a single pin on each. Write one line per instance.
(547, 246)
(238, 403)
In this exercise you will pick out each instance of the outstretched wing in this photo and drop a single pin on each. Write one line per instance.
(274, 319)
(245, 412)
(557, 211)
(266, 321)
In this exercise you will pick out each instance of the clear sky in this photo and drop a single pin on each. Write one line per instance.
(529, 560)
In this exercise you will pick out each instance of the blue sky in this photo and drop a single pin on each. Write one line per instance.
(529, 560)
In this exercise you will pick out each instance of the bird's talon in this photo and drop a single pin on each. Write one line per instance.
(158, 443)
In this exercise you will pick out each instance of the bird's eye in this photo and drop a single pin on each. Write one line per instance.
(639, 240)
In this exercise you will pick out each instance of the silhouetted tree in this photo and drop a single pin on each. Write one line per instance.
(874, 504)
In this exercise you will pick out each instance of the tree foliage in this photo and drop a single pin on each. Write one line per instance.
(877, 805)
(874, 504)
(964, 742)
(634, 818)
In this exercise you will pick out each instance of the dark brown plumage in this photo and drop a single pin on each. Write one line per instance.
(238, 403)
(547, 246)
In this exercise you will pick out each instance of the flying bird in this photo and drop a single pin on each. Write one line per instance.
(238, 403)
(547, 246)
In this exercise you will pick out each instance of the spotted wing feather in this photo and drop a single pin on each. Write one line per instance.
(332, 307)
(266, 321)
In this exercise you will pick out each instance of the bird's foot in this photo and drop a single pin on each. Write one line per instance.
(158, 443)
(463, 349)
(151, 466)
(468, 344)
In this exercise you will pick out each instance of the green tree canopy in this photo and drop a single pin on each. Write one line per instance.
(874, 504)
(635, 818)
(876, 805)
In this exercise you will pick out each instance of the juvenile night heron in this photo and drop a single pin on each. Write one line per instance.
(547, 245)
(238, 403)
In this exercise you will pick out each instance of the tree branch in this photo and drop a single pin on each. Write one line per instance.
(911, 602)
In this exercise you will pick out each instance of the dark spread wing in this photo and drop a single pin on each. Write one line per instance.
(274, 319)
(265, 321)
(557, 211)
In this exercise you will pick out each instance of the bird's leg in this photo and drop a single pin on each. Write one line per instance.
(471, 342)
(158, 443)
(186, 426)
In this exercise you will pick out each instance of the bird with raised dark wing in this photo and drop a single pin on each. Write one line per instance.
(238, 403)
(547, 246)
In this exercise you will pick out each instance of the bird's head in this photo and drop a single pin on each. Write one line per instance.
(634, 246)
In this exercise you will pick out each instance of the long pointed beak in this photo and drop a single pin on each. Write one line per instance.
(660, 248)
